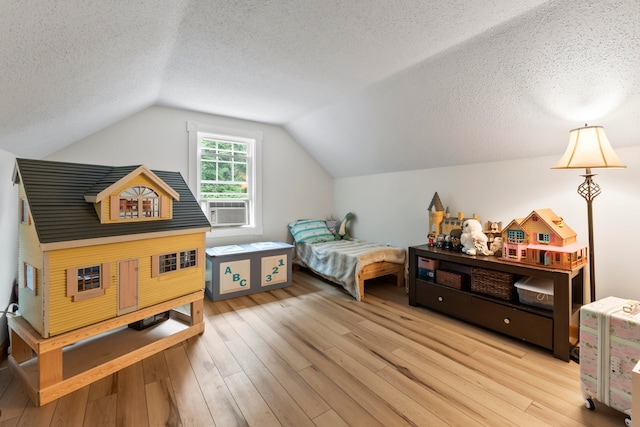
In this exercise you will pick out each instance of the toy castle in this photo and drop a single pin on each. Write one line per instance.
(440, 221)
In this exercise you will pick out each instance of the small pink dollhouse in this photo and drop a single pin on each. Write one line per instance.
(542, 239)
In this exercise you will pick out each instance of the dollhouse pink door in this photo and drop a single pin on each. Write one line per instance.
(127, 286)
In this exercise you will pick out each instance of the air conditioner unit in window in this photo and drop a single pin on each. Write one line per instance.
(228, 213)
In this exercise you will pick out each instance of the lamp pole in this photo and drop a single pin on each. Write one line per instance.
(589, 190)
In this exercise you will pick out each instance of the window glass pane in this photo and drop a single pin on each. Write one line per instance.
(223, 161)
(229, 190)
(139, 197)
(209, 171)
(168, 263)
(188, 259)
(240, 172)
(225, 171)
(88, 278)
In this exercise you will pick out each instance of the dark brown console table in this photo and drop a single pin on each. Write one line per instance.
(554, 329)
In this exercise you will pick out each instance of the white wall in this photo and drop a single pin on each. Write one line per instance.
(392, 208)
(294, 185)
(8, 235)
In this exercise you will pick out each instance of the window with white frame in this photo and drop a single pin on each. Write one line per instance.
(225, 174)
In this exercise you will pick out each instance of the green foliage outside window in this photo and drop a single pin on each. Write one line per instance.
(223, 169)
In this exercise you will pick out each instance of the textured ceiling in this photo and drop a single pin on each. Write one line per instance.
(365, 86)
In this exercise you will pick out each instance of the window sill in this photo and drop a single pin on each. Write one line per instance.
(235, 231)
(85, 295)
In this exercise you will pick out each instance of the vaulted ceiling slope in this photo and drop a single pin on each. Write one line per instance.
(365, 86)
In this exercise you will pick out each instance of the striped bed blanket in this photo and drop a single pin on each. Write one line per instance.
(340, 261)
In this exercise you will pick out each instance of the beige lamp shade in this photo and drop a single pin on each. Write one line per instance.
(588, 148)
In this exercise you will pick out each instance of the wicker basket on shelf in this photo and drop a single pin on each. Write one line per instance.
(495, 283)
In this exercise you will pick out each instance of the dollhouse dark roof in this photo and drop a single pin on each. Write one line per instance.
(56, 193)
(115, 174)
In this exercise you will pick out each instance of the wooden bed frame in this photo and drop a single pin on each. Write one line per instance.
(371, 271)
(379, 269)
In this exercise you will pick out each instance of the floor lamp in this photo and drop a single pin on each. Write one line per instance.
(589, 148)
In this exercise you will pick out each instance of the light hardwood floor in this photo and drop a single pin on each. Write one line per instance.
(311, 355)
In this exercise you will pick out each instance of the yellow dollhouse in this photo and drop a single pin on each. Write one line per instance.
(98, 242)
(542, 239)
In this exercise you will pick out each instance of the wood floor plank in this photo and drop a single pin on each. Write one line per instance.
(191, 404)
(375, 406)
(329, 419)
(288, 354)
(284, 407)
(317, 328)
(400, 402)
(471, 391)
(101, 412)
(441, 399)
(34, 416)
(321, 316)
(13, 401)
(131, 388)
(216, 348)
(70, 409)
(341, 402)
(253, 407)
(450, 371)
(103, 387)
(310, 402)
(6, 378)
(162, 408)
(218, 397)
(155, 368)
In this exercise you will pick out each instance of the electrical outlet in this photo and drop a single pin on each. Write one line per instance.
(616, 365)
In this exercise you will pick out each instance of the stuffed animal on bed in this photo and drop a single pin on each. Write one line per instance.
(473, 240)
(343, 233)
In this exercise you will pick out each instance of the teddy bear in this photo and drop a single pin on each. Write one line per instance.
(473, 240)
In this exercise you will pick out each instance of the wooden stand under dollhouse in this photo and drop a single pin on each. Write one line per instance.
(54, 367)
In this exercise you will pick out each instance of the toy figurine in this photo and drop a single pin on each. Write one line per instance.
(455, 239)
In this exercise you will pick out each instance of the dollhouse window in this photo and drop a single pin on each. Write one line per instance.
(168, 263)
(87, 281)
(544, 237)
(24, 212)
(176, 261)
(30, 277)
(139, 202)
(88, 278)
(188, 259)
(515, 236)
